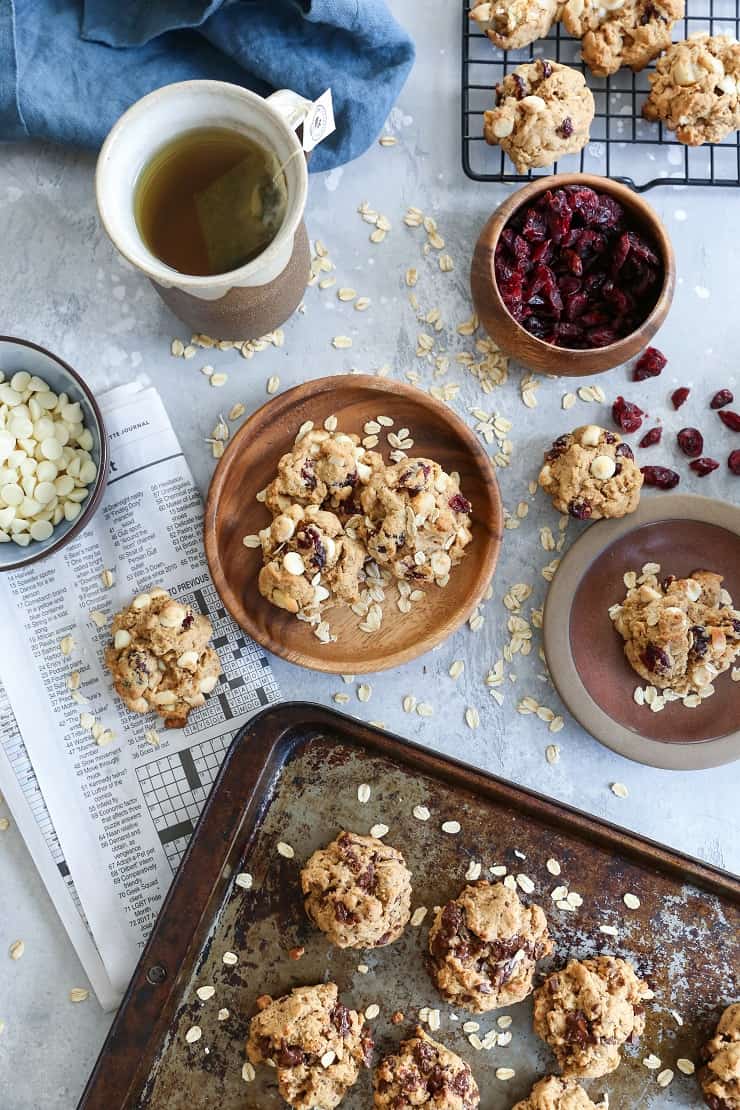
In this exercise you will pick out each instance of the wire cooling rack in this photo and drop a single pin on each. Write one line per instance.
(623, 145)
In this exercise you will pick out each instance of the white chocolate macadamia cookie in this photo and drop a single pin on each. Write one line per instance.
(159, 657)
(720, 1077)
(316, 1045)
(357, 890)
(695, 89)
(323, 469)
(616, 33)
(679, 633)
(416, 520)
(543, 112)
(511, 24)
(589, 473)
(484, 946)
(423, 1073)
(587, 1011)
(556, 1093)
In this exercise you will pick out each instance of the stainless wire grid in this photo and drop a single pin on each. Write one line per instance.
(623, 145)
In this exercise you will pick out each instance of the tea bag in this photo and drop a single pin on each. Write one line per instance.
(241, 212)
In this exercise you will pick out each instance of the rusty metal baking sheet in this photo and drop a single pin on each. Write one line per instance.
(304, 769)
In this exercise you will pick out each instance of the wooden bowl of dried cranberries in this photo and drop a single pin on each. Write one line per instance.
(573, 274)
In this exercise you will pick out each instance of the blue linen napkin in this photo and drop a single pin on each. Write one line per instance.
(69, 68)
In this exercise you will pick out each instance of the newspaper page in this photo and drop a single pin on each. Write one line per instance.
(118, 815)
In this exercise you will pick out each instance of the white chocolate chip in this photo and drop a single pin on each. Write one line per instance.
(591, 435)
(293, 563)
(603, 467)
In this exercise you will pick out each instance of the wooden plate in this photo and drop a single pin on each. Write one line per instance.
(586, 655)
(249, 464)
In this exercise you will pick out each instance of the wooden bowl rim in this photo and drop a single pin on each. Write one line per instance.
(484, 568)
(503, 213)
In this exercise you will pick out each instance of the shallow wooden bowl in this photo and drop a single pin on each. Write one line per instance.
(250, 462)
(515, 340)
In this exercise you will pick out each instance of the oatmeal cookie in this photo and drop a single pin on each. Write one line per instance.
(310, 561)
(357, 890)
(694, 90)
(616, 33)
(484, 946)
(543, 112)
(556, 1093)
(720, 1077)
(679, 633)
(587, 1011)
(591, 474)
(424, 1073)
(511, 24)
(416, 520)
(159, 657)
(315, 1043)
(323, 468)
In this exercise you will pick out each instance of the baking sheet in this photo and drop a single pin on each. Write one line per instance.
(303, 765)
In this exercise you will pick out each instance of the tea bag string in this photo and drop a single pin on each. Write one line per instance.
(281, 169)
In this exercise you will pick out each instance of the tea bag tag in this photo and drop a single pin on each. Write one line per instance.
(319, 122)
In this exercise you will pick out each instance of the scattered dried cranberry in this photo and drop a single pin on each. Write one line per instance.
(649, 365)
(704, 466)
(627, 415)
(652, 437)
(680, 396)
(660, 476)
(730, 419)
(721, 398)
(734, 462)
(691, 442)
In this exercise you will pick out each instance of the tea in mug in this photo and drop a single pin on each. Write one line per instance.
(210, 201)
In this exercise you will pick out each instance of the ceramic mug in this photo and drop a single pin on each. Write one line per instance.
(257, 297)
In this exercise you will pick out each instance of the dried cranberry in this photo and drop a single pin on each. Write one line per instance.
(660, 476)
(734, 462)
(566, 128)
(627, 415)
(459, 504)
(649, 365)
(691, 442)
(680, 396)
(580, 509)
(704, 466)
(625, 451)
(655, 659)
(721, 398)
(730, 419)
(307, 474)
(546, 69)
(187, 622)
(652, 437)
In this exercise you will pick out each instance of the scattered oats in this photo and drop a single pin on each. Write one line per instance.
(548, 572)
(107, 578)
(553, 866)
(476, 621)
(559, 893)
(362, 303)
(223, 1014)
(99, 619)
(503, 1039)
(67, 645)
(652, 1062)
(691, 701)
(639, 695)
(451, 827)
(505, 1073)
(217, 380)
(387, 140)
(330, 424)
(504, 1021)
(206, 370)
(193, 1034)
(362, 969)
(424, 709)
(252, 541)
(204, 993)
(285, 850)
(630, 579)
(364, 692)
(409, 703)
(79, 994)
(609, 930)
(418, 916)
(327, 282)
(421, 813)
(16, 949)
(73, 680)
(385, 421)
(341, 342)
(735, 674)
(557, 724)
(499, 870)
(433, 1020)
(631, 901)
(4, 824)
(456, 669)
(346, 294)
(248, 1072)
(151, 736)
(273, 384)
(348, 679)
(470, 1027)
(363, 793)
(236, 411)
(230, 959)
(378, 235)
(664, 1077)
(574, 899)
(569, 400)
(619, 789)
(685, 1066)
(177, 348)
(86, 721)
(525, 883)
(379, 831)
(372, 1011)
(552, 752)
(475, 1042)
(446, 264)
(473, 871)
(472, 717)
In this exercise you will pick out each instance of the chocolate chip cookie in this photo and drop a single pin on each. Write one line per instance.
(484, 946)
(589, 473)
(316, 1044)
(556, 1093)
(587, 1011)
(511, 24)
(357, 890)
(679, 633)
(543, 112)
(720, 1077)
(424, 1073)
(694, 90)
(616, 33)
(159, 657)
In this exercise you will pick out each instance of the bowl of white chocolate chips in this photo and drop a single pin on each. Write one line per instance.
(53, 453)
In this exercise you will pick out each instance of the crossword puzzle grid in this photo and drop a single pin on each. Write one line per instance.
(175, 788)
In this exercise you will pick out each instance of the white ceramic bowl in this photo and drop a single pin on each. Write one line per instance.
(21, 354)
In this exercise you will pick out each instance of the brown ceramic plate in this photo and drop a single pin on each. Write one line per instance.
(585, 655)
(250, 462)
